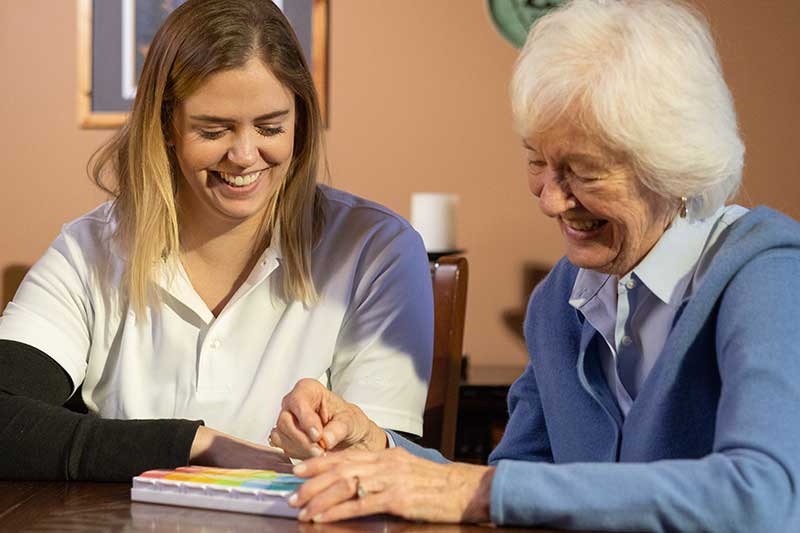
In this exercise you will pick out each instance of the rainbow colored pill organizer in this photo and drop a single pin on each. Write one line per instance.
(238, 489)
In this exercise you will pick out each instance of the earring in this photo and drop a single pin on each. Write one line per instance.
(683, 210)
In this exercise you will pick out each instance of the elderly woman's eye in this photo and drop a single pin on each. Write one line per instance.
(537, 163)
(570, 173)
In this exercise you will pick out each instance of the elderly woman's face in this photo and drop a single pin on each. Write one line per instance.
(608, 219)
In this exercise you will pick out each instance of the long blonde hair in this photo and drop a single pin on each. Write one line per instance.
(198, 39)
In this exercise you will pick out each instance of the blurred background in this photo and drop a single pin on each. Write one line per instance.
(417, 101)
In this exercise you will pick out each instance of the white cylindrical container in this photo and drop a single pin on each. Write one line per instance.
(433, 215)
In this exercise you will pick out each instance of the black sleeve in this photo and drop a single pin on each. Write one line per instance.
(40, 439)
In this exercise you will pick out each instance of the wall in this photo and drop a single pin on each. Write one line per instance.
(418, 102)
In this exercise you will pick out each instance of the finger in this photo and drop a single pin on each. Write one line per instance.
(348, 425)
(293, 441)
(336, 431)
(307, 403)
(286, 427)
(325, 410)
(336, 491)
(318, 484)
(337, 485)
(275, 440)
(322, 464)
(279, 443)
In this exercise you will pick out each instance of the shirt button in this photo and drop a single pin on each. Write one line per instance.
(626, 341)
(215, 344)
(631, 283)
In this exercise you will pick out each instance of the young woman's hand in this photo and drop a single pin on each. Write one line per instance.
(354, 483)
(214, 448)
(314, 419)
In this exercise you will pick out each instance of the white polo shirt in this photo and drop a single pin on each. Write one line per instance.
(369, 339)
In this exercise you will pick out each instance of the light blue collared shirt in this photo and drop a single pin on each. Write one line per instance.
(634, 313)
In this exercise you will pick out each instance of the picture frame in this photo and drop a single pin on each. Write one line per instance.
(107, 80)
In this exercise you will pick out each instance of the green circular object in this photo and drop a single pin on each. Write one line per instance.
(513, 18)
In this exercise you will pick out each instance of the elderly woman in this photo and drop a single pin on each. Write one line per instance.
(664, 373)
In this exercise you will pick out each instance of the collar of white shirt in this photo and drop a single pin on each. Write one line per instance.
(173, 278)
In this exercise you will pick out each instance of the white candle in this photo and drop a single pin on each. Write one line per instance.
(433, 215)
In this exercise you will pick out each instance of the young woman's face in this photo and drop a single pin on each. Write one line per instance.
(233, 140)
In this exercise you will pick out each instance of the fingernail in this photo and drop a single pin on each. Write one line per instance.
(314, 434)
(329, 439)
(316, 451)
(299, 469)
(317, 518)
(293, 499)
(302, 514)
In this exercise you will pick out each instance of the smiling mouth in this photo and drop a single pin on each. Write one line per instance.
(238, 180)
(584, 225)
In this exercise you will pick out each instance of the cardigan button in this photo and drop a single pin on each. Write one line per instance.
(626, 341)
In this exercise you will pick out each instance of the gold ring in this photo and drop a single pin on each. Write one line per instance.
(361, 491)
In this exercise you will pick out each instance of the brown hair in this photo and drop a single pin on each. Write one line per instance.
(198, 39)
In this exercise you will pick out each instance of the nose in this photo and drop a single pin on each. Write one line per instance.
(554, 194)
(244, 150)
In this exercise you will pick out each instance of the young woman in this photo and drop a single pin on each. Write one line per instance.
(219, 275)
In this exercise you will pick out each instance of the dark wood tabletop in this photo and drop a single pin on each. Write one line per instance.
(87, 507)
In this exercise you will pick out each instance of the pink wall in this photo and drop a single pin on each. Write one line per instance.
(418, 102)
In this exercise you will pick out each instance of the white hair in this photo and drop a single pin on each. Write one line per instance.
(644, 77)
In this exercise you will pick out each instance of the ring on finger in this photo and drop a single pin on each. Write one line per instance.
(361, 490)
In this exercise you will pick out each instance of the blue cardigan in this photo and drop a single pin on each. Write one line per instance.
(712, 441)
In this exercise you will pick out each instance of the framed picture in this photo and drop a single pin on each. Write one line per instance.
(114, 35)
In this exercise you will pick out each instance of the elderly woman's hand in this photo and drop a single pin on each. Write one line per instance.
(354, 483)
(314, 419)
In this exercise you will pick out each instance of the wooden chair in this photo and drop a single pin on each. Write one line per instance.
(450, 274)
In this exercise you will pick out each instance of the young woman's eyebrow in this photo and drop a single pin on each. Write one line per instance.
(225, 120)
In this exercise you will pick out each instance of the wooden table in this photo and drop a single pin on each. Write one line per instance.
(76, 506)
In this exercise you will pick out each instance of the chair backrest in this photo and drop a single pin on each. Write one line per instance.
(450, 274)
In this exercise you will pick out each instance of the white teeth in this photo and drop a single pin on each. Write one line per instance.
(239, 181)
(584, 225)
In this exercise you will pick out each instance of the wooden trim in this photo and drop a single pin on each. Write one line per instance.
(90, 119)
(86, 117)
(319, 53)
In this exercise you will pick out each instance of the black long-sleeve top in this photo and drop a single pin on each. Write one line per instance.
(41, 439)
